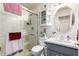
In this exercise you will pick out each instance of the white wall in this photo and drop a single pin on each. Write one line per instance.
(11, 23)
(73, 31)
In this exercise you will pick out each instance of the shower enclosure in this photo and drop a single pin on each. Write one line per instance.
(31, 31)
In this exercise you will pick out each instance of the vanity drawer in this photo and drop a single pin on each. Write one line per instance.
(52, 53)
(62, 49)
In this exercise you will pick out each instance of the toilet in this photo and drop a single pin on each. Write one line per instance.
(38, 49)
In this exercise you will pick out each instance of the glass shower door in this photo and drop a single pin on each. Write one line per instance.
(31, 27)
(33, 32)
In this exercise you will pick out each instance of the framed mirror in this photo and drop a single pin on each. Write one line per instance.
(64, 19)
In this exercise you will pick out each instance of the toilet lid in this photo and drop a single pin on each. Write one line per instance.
(37, 48)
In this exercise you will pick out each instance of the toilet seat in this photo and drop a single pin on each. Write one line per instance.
(37, 48)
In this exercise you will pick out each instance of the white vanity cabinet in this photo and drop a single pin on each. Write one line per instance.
(60, 50)
(45, 16)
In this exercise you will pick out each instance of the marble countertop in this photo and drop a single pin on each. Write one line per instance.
(63, 42)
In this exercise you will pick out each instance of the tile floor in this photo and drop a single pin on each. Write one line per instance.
(24, 53)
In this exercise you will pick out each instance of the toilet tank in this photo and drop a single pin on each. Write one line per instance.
(41, 41)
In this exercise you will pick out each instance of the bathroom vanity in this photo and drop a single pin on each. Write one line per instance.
(64, 21)
(61, 48)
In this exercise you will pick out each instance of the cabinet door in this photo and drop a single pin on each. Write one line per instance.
(43, 17)
(63, 49)
(53, 53)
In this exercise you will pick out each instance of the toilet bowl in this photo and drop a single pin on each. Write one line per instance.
(38, 49)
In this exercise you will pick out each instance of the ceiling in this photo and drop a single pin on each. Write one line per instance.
(32, 6)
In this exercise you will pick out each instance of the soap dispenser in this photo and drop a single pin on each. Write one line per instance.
(68, 37)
